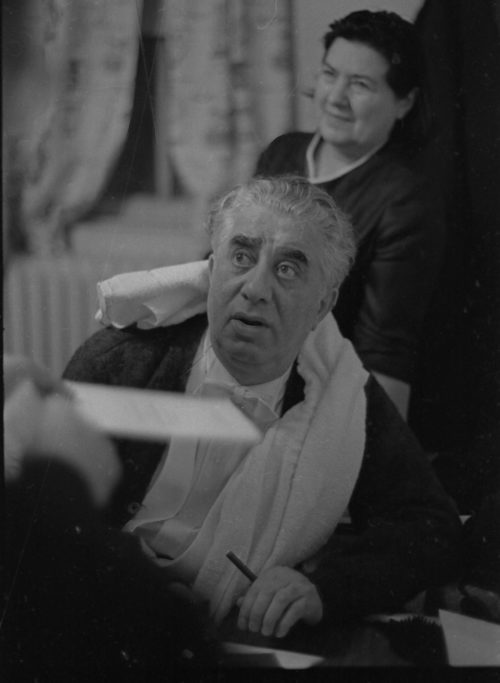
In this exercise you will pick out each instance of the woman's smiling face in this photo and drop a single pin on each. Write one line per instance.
(356, 107)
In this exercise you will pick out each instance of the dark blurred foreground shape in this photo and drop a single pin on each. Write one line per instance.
(455, 409)
(82, 600)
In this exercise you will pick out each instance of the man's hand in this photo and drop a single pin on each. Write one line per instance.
(278, 599)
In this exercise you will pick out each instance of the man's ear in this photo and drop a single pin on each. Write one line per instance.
(210, 264)
(326, 304)
(333, 298)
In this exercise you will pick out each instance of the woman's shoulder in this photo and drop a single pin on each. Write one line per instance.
(391, 177)
(394, 164)
(285, 154)
(293, 136)
(292, 143)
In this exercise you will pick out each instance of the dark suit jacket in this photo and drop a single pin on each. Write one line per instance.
(405, 530)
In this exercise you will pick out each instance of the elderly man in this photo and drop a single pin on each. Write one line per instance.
(332, 440)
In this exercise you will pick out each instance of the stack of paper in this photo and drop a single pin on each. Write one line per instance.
(470, 642)
(159, 415)
(283, 659)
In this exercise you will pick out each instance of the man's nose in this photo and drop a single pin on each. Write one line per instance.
(257, 285)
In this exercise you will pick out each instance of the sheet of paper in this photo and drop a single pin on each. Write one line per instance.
(159, 415)
(470, 642)
(400, 616)
(285, 659)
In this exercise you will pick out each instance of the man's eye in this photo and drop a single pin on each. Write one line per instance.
(287, 271)
(241, 258)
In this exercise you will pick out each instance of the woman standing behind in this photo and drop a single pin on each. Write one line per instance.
(372, 114)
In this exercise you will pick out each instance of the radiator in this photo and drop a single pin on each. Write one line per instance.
(49, 307)
(50, 304)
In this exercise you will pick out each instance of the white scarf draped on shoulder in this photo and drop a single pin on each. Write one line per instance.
(284, 501)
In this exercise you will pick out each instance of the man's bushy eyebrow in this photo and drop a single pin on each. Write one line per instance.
(245, 241)
(295, 255)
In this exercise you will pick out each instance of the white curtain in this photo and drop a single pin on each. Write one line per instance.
(226, 88)
(91, 57)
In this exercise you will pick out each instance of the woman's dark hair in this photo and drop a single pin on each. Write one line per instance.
(397, 41)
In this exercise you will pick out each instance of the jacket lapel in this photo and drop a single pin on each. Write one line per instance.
(294, 390)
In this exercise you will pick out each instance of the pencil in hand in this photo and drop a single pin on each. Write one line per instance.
(241, 566)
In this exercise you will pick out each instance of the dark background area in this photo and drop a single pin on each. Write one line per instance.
(460, 360)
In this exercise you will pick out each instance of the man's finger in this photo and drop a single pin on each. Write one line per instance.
(295, 612)
(245, 604)
(282, 601)
(264, 610)
(277, 600)
(254, 608)
(256, 603)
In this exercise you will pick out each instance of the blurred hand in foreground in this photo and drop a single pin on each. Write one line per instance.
(40, 420)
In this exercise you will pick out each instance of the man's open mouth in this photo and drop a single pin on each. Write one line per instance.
(254, 322)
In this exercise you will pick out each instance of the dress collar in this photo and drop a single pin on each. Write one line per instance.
(311, 164)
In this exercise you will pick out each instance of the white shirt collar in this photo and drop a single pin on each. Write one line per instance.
(311, 166)
(207, 367)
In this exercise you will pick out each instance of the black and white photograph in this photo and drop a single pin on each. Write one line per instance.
(251, 340)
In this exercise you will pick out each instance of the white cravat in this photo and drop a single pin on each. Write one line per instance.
(190, 479)
(255, 407)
